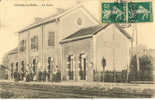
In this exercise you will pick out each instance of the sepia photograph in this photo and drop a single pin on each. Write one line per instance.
(77, 49)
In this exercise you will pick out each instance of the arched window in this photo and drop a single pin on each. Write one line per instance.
(79, 21)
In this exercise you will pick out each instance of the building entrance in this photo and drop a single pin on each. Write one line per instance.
(83, 67)
(71, 67)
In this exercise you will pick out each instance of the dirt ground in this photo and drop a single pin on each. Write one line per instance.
(69, 89)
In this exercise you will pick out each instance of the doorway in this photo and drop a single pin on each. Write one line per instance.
(83, 67)
(23, 66)
(12, 70)
(34, 65)
(16, 66)
(70, 67)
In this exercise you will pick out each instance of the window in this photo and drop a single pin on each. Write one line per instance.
(79, 21)
(22, 45)
(34, 42)
(51, 39)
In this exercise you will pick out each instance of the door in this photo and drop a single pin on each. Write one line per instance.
(71, 67)
(16, 66)
(23, 67)
(83, 67)
(34, 65)
(12, 70)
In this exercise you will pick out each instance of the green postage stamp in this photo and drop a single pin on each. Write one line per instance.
(132, 12)
(113, 12)
(140, 12)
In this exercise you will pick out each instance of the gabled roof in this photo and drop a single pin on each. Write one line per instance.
(123, 31)
(85, 31)
(13, 51)
(54, 17)
(90, 31)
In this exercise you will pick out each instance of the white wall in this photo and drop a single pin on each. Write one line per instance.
(68, 23)
(114, 46)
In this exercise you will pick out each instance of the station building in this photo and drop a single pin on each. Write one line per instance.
(72, 41)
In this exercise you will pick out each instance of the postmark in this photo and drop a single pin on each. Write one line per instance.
(140, 12)
(113, 12)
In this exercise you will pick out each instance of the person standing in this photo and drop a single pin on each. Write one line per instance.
(103, 66)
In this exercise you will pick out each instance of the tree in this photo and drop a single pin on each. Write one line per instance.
(145, 73)
(133, 68)
(146, 68)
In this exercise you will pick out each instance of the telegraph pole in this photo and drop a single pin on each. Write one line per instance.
(137, 56)
(135, 37)
(127, 25)
(114, 69)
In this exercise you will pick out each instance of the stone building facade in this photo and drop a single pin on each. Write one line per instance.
(42, 45)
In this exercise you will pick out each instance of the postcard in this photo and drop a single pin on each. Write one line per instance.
(77, 49)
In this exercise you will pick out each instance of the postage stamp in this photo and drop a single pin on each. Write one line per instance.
(65, 51)
(140, 12)
(113, 12)
(117, 12)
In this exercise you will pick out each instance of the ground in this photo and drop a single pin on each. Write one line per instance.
(10, 89)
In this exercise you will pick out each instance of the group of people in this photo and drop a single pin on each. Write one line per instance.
(37, 76)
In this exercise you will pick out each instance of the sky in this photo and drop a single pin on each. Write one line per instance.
(14, 18)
